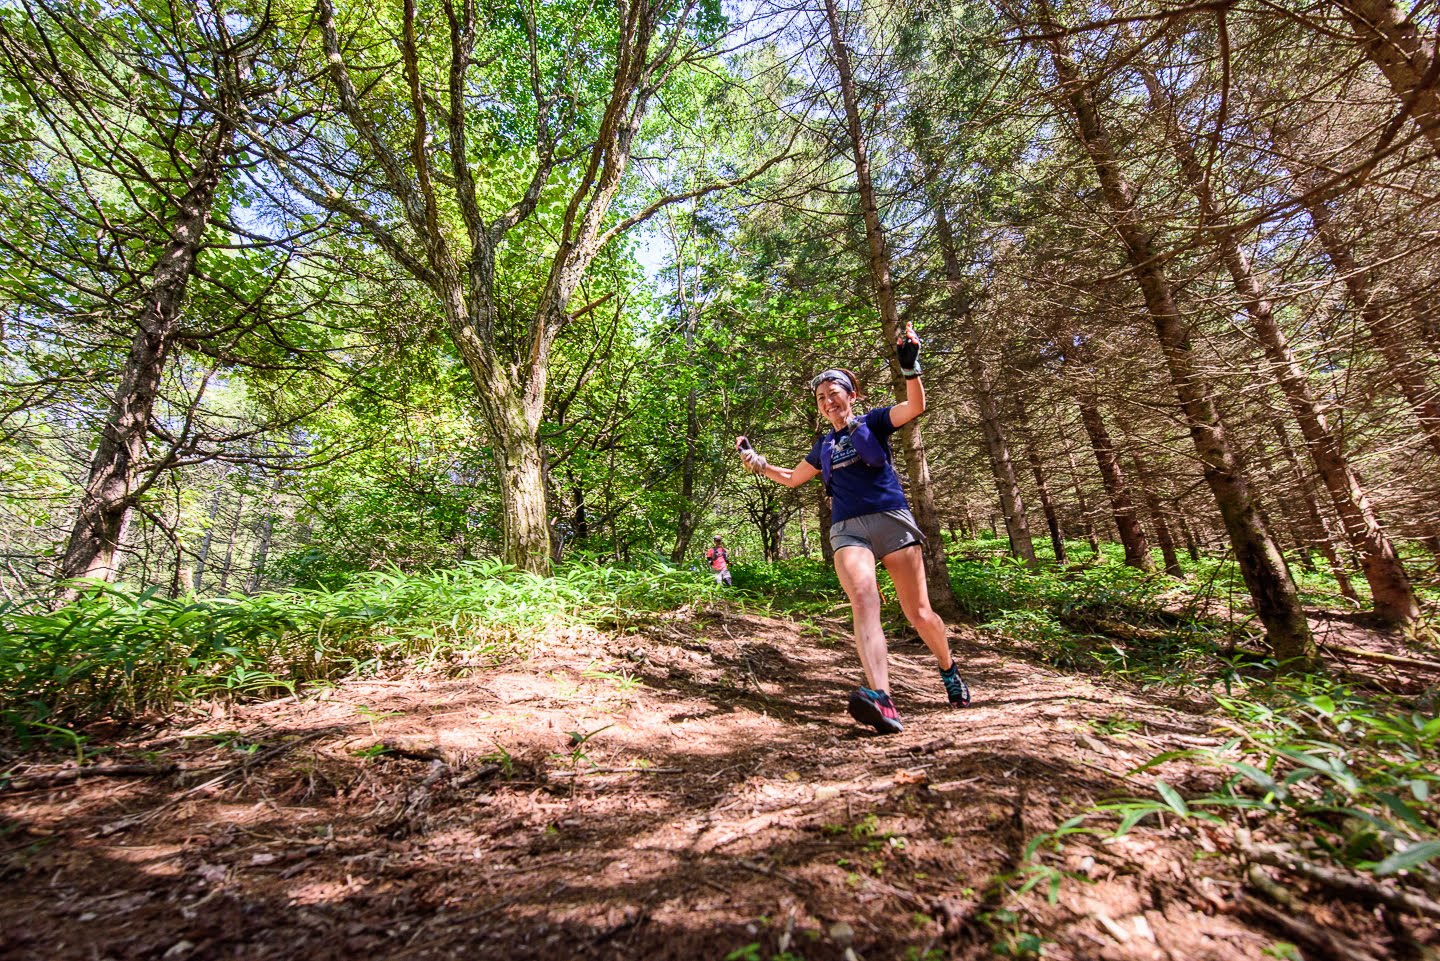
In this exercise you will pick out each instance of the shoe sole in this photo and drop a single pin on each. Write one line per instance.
(865, 711)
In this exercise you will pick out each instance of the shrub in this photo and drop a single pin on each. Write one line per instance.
(115, 653)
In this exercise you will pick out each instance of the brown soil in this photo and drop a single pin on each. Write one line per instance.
(691, 791)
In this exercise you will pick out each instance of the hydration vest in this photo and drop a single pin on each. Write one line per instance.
(873, 453)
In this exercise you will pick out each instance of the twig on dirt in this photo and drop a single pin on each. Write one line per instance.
(943, 786)
(768, 872)
(1379, 658)
(717, 886)
(1342, 883)
(931, 747)
(1325, 942)
(619, 770)
(30, 782)
(225, 775)
(1269, 887)
(392, 748)
(909, 897)
(479, 774)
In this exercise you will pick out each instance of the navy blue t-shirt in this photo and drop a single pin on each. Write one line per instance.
(855, 487)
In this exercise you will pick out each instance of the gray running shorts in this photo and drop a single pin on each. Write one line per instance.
(882, 533)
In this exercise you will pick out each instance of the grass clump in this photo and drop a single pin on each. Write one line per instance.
(1317, 781)
(799, 586)
(116, 653)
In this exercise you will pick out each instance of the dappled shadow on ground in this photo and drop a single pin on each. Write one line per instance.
(686, 792)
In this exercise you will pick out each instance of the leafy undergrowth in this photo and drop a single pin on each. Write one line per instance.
(118, 654)
(1320, 782)
(1321, 792)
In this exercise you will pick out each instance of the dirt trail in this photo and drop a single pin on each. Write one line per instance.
(687, 792)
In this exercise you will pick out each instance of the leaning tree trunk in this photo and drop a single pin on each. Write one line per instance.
(1127, 518)
(922, 495)
(114, 484)
(1325, 536)
(1151, 496)
(1384, 332)
(1002, 463)
(1407, 58)
(1395, 601)
(1271, 588)
(997, 444)
(1092, 537)
(1037, 470)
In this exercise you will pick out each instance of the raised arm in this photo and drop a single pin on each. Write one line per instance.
(907, 349)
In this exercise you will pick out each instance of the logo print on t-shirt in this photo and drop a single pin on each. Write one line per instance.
(844, 453)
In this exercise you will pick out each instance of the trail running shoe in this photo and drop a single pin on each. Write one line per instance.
(876, 709)
(955, 686)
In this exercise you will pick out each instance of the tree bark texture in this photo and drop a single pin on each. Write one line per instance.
(1407, 58)
(1127, 518)
(113, 483)
(1271, 588)
(922, 495)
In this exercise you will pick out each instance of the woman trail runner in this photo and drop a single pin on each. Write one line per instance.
(871, 521)
(719, 559)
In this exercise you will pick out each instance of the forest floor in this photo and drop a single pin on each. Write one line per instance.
(692, 789)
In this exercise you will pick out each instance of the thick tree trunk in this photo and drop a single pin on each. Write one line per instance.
(1407, 58)
(1272, 590)
(524, 520)
(922, 496)
(1127, 519)
(113, 484)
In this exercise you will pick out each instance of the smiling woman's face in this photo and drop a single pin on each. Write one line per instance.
(834, 402)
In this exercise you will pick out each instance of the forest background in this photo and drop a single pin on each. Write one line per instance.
(338, 339)
(297, 294)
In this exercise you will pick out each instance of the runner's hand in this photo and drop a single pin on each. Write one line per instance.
(753, 462)
(907, 351)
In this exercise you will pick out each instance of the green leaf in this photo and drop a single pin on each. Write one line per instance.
(1409, 858)
(1403, 811)
(1262, 780)
(1172, 798)
(1161, 759)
